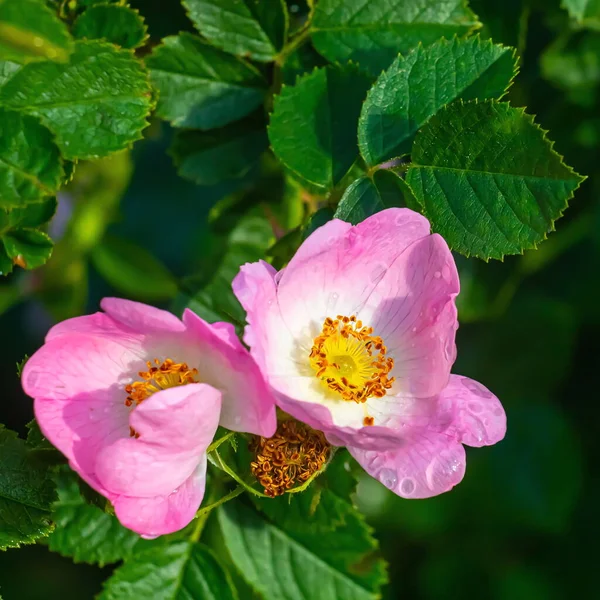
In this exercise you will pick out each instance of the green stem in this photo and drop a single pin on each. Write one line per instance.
(294, 43)
(218, 442)
(205, 510)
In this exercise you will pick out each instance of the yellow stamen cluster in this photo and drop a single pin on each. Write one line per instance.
(291, 456)
(350, 360)
(159, 376)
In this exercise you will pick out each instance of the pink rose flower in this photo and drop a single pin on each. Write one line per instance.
(356, 336)
(133, 397)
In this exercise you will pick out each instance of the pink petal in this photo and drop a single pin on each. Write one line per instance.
(141, 317)
(75, 381)
(269, 339)
(413, 310)
(427, 464)
(98, 323)
(337, 268)
(478, 418)
(160, 515)
(248, 404)
(175, 428)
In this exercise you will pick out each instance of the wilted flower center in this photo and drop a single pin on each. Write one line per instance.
(350, 360)
(291, 456)
(159, 376)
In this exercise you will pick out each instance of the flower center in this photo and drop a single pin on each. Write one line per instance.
(293, 454)
(159, 376)
(350, 360)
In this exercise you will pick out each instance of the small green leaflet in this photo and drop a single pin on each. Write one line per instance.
(200, 86)
(179, 571)
(30, 30)
(210, 157)
(313, 125)
(255, 29)
(102, 109)
(488, 179)
(369, 195)
(84, 532)
(587, 12)
(126, 266)
(26, 493)
(303, 564)
(419, 84)
(30, 164)
(7, 70)
(372, 33)
(120, 25)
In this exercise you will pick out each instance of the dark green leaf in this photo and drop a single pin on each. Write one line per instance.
(301, 62)
(302, 564)
(29, 30)
(419, 84)
(27, 248)
(489, 179)
(180, 571)
(313, 125)
(369, 195)
(250, 28)
(102, 109)
(84, 532)
(200, 86)
(30, 163)
(247, 242)
(207, 158)
(133, 270)
(586, 12)
(120, 25)
(26, 493)
(372, 33)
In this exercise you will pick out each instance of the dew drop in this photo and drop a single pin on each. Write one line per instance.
(437, 274)
(476, 388)
(498, 412)
(389, 478)
(414, 330)
(407, 486)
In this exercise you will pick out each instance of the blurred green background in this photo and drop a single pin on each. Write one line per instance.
(524, 523)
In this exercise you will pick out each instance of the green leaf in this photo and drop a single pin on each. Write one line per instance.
(372, 33)
(419, 84)
(201, 86)
(215, 300)
(369, 195)
(7, 70)
(302, 564)
(180, 571)
(586, 12)
(30, 30)
(84, 532)
(208, 158)
(120, 25)
(313, 125)
(133, 270)
(26, 493)
(102, 109)
(488, 178)
(30, 163)
(250, 28)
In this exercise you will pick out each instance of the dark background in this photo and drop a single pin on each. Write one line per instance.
(524, 523)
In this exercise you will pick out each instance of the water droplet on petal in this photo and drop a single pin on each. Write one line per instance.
(407, 486)
(414, 330)
(437, 274)
(389, 478)
(498, 412)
